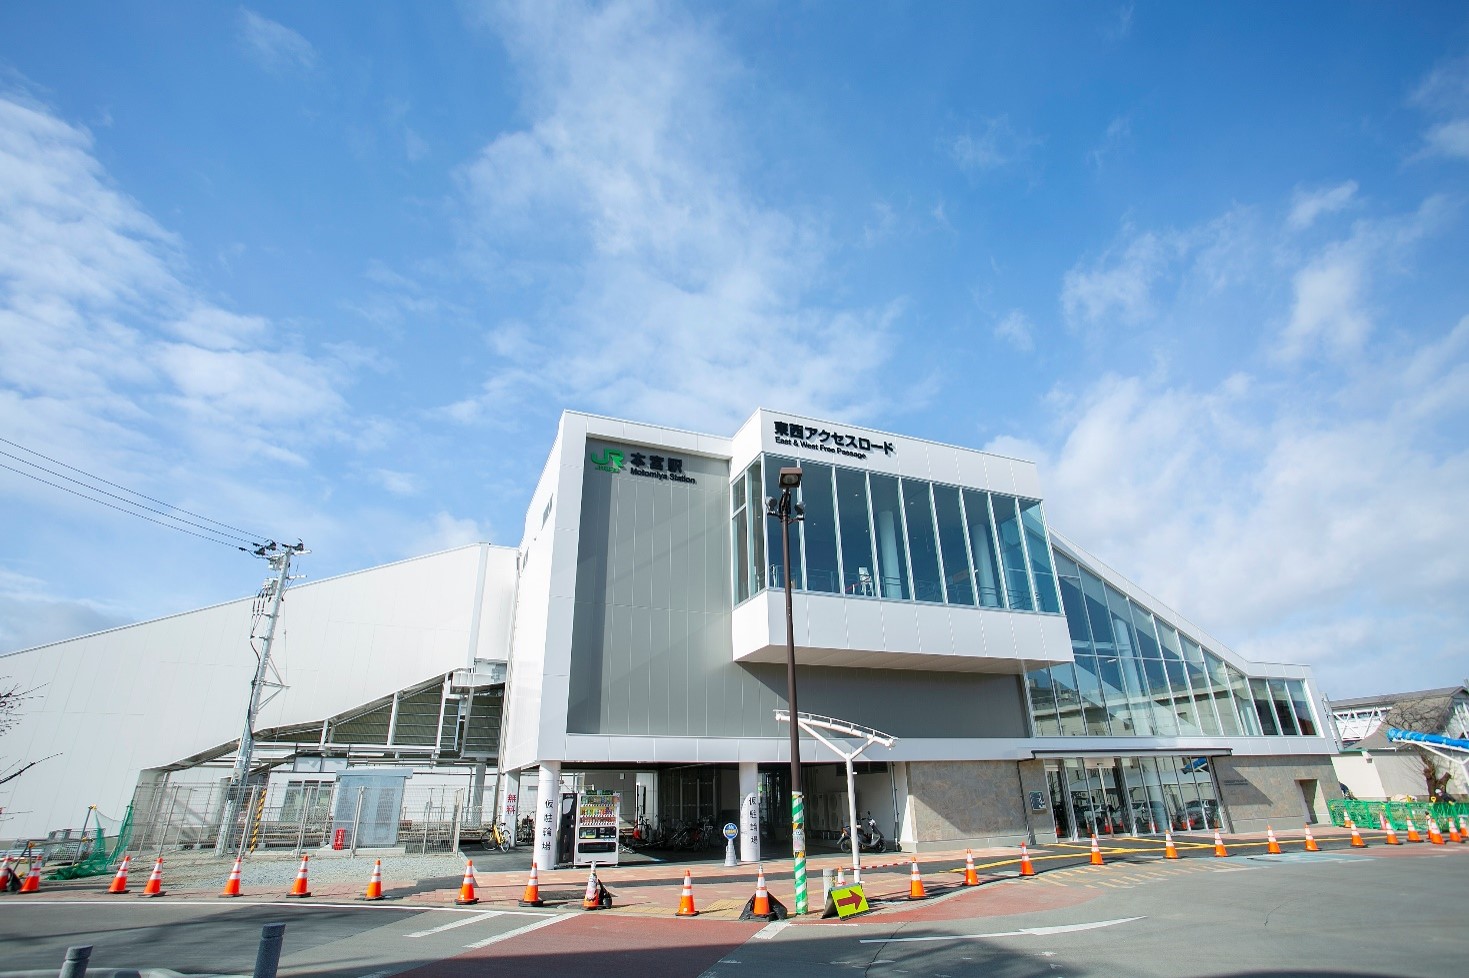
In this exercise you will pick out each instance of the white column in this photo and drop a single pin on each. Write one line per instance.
(905, 828)
(548, 802)
(887, 548)
(477, 795)
(511, 801)
(749, 812)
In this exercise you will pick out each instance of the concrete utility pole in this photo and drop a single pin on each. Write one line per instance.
(271, 593)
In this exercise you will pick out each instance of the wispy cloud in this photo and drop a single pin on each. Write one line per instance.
(669, 289)
(1119, 283)
(1444, 94)
(274, 46)
(1119, 131)
(1307, 205)
(1017, 330)
(991, 144)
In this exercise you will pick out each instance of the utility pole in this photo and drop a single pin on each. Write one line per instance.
(271, 594)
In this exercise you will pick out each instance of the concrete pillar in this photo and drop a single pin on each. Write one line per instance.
(548, 801)
(476, 795)
(511, 800)
(903, 817)
(749, 812)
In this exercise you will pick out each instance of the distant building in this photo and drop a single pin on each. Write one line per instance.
(1372, 767)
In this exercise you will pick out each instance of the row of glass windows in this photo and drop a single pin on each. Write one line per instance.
(1135, 675)
(1132, 795)
(882, 536)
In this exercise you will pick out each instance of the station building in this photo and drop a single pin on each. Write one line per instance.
(635, 641)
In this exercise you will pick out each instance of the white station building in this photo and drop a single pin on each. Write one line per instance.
(635, 641)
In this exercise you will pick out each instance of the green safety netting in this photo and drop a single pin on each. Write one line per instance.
(1369, 814)
(101, 846)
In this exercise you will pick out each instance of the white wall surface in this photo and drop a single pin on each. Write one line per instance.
(125, 700)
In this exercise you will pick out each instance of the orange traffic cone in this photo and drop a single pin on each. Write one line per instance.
(154, 886)
(1170, 851)
(300, 889)
(1219, 850)
(1272, 845)
(1096, 851)
(1311, 845)
(1434, 835)
(6, 872)
(120, 881)
(1413, 835)
(232, 885)
(915, 884)
(1392, 837)
(1463, 831)
(686, 899)
(375, 883)
(33, 879)
(596, 897)
(971, 878)
(761, 907)
(1026, 869)
(466, 895)
(841, 876)
(1454, 831)
(1357, 840)
(532, 897)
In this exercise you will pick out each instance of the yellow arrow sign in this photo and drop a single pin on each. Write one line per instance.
(848, 901)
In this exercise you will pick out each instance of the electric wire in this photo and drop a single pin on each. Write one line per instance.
(130, 512)
(250, 535)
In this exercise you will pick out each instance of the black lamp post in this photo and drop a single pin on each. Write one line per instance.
(787, 512)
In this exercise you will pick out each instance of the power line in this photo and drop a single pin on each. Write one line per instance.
(252, 536)
(130, 512)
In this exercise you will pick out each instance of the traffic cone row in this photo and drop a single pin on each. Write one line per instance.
(686, 899)
(120, 881)
(971, 878)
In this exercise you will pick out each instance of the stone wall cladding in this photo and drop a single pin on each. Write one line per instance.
(1257, 791)
(966, 803)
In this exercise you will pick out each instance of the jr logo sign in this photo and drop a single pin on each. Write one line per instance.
(609, 461)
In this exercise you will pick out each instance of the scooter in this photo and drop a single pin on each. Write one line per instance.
(869, 836)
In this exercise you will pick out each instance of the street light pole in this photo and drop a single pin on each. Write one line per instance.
(787, 513)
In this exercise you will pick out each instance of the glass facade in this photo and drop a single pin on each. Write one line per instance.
(898, 539)
(1137, 676)
(1132, 795)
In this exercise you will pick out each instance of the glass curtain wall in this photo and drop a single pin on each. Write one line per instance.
(776, 576)
(819, 529)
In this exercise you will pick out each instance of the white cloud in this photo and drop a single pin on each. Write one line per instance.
(1120, 282)
(671, 290)
(398, 483)
(1444, 93)
(1449, 139)
(1017, 330)
(994, 143)
(30, 615)
(1119, 131)
(1307, 205)
(275, 47)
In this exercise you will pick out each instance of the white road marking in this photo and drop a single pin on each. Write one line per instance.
(1023, 932)
(165, 903)
(484, 915)
(771, 929)
(521, 930)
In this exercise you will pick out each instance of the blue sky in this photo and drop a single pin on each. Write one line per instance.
(332, 271)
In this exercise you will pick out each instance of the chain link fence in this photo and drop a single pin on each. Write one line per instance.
(303, 815)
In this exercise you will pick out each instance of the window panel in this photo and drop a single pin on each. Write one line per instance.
(1096, 613)
(1147, 641)
(1065, 566)
(982, 548)
(958, 579)
(1038, 548)
(1094, 707)
(740, 531)
(1012, 552)
(756, 509)
(1301, 704)
(1244, 704)
(1075, 605)
(923, 546)
(1161, 701)
(1283, 710)
(1264, 709)
(1068, 701)
(1183, 704)
(859, 574)
(819, 529)
(892, 549)
(1043, 703)
(776, 576)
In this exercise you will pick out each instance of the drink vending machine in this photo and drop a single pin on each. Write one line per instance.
(596, 827)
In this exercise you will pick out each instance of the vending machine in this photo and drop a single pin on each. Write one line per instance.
(596, 827)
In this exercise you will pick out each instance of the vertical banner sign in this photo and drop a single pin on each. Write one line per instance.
(750, 829)
(798, 847)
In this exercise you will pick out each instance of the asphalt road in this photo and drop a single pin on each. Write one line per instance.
(1385, 912)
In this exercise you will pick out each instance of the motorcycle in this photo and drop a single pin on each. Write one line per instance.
(869, 836)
